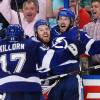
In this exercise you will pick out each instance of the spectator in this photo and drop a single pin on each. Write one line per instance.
(31, 12)
(93, 29)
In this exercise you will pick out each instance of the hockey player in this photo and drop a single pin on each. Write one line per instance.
(19, 79)
(62, 34)
(69, 42)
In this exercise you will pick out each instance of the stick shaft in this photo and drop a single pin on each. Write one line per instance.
(19, 18)
(71, 73)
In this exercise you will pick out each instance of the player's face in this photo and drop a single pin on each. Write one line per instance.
(29, 11)
(44, 33)
(63, 23)
(96, 9)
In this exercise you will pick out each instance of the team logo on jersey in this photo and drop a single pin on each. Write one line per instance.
(60, 42)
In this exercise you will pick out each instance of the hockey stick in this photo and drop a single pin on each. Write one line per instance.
(77, 18)
(19, 18)
(70, 73)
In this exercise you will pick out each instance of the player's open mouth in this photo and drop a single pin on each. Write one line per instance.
(63, 26)
(45, 35)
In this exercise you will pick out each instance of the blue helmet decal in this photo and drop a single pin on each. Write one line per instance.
(67, 13)
(40, 22)
(14, 31)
